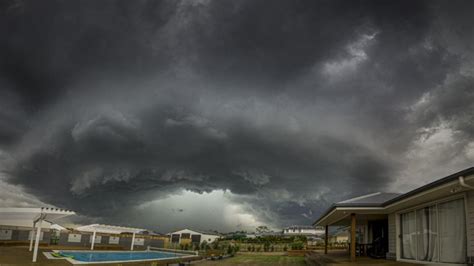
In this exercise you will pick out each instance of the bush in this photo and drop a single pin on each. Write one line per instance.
(266, 246)
(272, 248)
(297, 246)
(230, 250)
(285, 248)
(249, 248)
(259, 248)
(204, 245)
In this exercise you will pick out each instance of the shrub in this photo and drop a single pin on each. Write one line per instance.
(297, 246)
(204, 245)
(285, 248)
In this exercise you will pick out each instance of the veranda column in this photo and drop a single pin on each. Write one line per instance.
(93, 240)
(353, 237)
(133, 241)
(37, 239)
(326, 238)
(32, 236)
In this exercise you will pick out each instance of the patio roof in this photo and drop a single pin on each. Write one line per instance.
(27, 216)
(109, 229)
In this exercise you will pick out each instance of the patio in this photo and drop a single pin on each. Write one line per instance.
(341, 257)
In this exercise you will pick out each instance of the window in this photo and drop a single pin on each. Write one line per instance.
(436, 233)
(175, 238)
(185, 236)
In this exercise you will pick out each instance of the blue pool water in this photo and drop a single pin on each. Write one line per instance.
(118, 256)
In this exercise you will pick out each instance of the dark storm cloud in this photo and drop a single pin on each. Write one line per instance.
(290, 105)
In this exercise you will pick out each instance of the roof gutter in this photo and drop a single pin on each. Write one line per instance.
(462, 183)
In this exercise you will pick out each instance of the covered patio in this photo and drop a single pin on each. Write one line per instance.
(366, 222)
(109, 229)
(32, 218)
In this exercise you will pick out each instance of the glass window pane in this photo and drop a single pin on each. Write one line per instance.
(452, 231)
(427, 236)
(408, 232)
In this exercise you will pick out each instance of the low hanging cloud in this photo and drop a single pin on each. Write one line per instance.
(286, 108)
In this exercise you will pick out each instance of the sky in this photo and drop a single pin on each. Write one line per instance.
(227, 115)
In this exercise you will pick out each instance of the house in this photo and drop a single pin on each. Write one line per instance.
(188, 236)
(303, 230)
(432, 224)
(339, 237)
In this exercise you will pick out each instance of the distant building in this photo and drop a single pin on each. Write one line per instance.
(339, 237)
(303, 230)
(270, 233)
(188, 236)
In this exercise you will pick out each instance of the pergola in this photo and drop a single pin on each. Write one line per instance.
(109, 229)
(36, 216)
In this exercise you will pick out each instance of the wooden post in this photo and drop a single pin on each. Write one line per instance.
(326, 240)
(353, 237)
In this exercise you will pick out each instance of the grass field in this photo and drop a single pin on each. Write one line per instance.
(258, 259)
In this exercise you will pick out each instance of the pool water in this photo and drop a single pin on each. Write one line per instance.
(118, 256)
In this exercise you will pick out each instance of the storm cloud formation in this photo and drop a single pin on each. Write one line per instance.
(109, 106)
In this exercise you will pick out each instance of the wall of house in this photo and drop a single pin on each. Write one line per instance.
(392, 237)
(470, 225)
(64, 239)
(9, 234)
(207, 238)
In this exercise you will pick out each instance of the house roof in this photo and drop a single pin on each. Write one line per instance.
(374, 199)
(197, 231)
(300, 227)
(380, 199)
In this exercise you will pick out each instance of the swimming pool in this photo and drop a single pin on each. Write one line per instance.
(84, 257)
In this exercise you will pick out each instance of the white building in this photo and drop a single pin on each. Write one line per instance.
(192, 236)
(303, 230)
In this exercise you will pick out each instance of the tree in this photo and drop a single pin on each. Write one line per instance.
(204, 245)
(262, 229)
(230, 250)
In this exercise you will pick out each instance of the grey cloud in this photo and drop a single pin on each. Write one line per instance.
(289, 106)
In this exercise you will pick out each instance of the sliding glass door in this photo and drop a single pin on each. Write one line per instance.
(435, 233)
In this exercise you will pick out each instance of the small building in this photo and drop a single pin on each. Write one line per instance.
(339, 237)
(303, 230)
(431, 224)
(193, 237)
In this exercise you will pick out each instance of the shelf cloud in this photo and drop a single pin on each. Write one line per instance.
(274, 111)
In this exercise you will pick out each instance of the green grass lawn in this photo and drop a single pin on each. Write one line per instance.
(253, 259)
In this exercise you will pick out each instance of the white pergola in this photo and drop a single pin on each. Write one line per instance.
(17, 216)
(109, 229)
